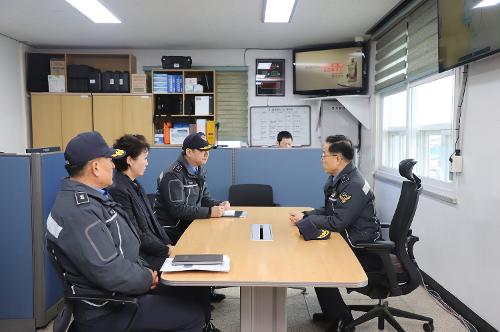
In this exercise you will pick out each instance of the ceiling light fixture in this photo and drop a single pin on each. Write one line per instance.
(279, 11)
(487, 3)
(94, 10)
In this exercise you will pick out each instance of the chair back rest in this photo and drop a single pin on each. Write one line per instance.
(401, 223)
(251, 195)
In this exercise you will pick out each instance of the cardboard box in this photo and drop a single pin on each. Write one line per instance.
(139, 83)
(57, 67)
(56, 83)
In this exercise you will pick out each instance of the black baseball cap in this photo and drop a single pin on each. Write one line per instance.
(87, 146)
(310, 232)
(196, 141)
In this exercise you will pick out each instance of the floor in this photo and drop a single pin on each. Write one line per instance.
(301, 308)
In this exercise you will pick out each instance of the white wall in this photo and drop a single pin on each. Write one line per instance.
(459, 242)
(14, 125)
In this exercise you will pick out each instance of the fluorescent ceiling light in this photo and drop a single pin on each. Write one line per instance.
(487, 3)
(94, 10)
(278, 11)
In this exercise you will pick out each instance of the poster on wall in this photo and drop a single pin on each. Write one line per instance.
(270, 77)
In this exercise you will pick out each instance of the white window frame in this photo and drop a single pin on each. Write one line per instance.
(443, 190)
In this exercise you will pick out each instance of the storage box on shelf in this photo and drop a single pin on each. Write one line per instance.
(184, 102)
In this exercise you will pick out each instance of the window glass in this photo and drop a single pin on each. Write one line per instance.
(393, 129)
(432, 110)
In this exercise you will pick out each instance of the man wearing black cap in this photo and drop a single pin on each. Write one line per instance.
(349, 210)
(99, 251)
(182, 193)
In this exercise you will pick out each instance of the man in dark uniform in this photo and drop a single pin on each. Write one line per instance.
(349, 210)
(101, 250)
(182, 194)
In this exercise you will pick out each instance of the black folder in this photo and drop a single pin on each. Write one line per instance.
(202, 259)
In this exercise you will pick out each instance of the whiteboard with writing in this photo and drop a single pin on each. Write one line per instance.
(267, 121)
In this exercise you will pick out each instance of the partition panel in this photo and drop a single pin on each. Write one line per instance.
(16, 251)
(296, 175)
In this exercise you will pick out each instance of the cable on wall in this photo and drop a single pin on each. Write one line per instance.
(465, 76)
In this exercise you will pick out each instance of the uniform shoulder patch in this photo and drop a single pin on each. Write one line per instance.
(178, 168)
(81, 198)
(344, 197)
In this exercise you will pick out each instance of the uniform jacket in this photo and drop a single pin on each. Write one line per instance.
(349, 207)
(181, 197)
(135, 203)
(102, 250)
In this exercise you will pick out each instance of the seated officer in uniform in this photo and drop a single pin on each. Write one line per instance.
(284, 140)
(349, 210)
(182, 193)
(102, 250)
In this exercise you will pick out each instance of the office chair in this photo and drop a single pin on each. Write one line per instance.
(400, 274)
(62, 322)
(251, 195)
(254, 195)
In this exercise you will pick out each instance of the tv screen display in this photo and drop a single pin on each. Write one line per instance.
(335, 70)
(466, 33)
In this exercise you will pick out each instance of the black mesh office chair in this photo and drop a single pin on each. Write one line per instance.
(63, 319)
(254, 195)
(400, 274)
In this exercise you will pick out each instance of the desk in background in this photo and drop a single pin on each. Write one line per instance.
(264, 269)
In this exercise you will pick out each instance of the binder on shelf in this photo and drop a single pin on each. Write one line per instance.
(202, 105)
(210, 133)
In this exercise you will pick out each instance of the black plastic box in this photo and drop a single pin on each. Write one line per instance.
(176, 62)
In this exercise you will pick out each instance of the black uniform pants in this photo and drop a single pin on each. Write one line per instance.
(330, 300)
(163, 309)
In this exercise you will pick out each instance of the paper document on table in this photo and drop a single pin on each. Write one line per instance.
(234, 214)
(224, 267)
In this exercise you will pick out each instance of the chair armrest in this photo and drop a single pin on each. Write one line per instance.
(383, 249)
(117, 298)
(377, 246)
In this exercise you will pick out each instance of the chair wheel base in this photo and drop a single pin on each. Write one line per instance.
(428, 327)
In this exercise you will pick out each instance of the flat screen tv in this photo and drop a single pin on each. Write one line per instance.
(333, 70)
(466, 33)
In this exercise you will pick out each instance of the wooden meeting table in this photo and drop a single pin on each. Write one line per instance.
(264, 269)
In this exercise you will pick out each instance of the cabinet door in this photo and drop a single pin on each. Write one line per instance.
(76, 116)
(108, 117)
(138, 116)
(46, 120)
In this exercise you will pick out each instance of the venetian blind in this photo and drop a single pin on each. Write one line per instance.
(232, 105)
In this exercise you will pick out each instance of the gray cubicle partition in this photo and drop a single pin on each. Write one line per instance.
(296, 175)
(31, 293)
(16, 249)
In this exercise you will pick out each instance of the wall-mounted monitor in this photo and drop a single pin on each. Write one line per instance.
(466, 33)
(339, 69)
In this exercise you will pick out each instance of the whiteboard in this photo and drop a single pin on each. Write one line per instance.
(267, 121)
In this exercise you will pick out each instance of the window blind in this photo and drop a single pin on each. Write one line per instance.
(232, 105)
(423, 41)
(408, 50)
(390, 57)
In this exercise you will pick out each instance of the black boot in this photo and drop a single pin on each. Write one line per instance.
(215, 297)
